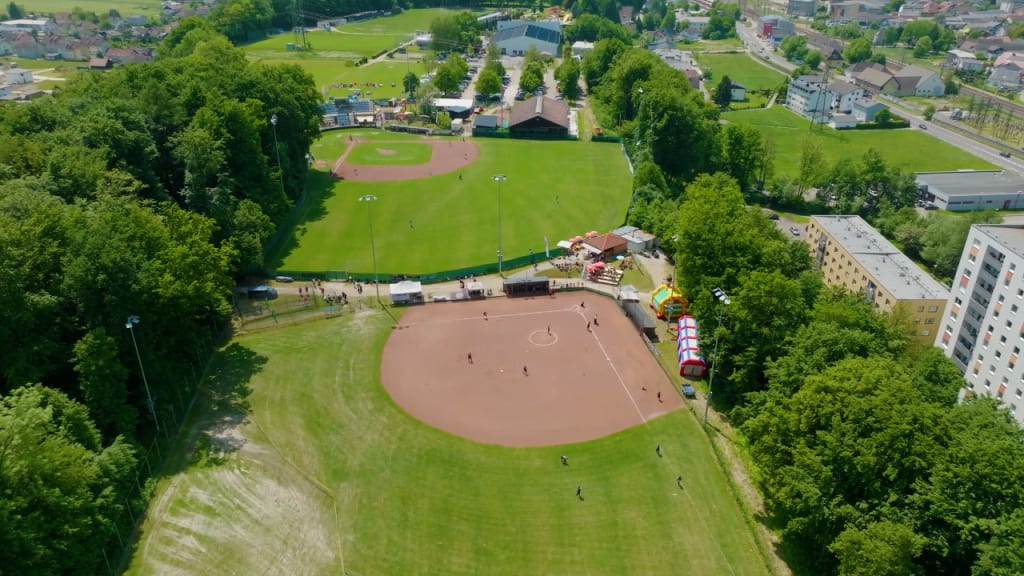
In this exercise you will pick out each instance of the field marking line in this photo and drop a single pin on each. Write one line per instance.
(482, 319)
(622, 382)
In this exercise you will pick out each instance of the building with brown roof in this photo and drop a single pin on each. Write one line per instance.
(539, 115)
(609, 244)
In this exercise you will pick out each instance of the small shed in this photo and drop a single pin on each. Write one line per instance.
(485, 123)
(636, 239)
(842, 121)
(527, 286)
(738, 92)
(629, 293)
(640, 318)
(475, 290)
(608, 245)
(406, 292)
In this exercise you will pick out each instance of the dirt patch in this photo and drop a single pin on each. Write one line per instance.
(446, 157)
(577, 384)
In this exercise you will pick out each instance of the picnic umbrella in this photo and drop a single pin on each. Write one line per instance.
(578, 239)
(592, 233)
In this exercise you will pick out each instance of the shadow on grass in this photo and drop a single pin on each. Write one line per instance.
(223, 407)
(319, 189)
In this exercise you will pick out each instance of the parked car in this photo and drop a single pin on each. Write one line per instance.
(773, 216)
(688, 390)
(922, 126)
(1004, 154)
(794, 230)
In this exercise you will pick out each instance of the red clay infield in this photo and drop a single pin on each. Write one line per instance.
(580, 385)
(446, 156)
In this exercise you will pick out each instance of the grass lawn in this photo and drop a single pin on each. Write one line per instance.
(906, 55)
(390, 154)
(711, 45)
(741, 68)
(125, 7)
(304, 465)
(331, 75)
(910, 150)
(555, 189)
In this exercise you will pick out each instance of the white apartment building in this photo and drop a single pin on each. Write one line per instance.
(808, 97)
(983, 325)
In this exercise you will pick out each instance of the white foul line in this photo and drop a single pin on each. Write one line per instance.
(614, 369)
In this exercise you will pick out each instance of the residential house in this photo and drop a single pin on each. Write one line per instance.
(865, 110)
(963, 60)
(100, 64)
(878, 81)
(802, 8)
(842, 121)
(737, 91)
(5, 92)
(626, 17)
(7, 43)
(515, 37)
(850, 10)
(1006, 77)
(992, 47)
(808, 96)
(26, 46)
(580, 47)
(16, 75)
(39, 25)
(129, 55)
(843, 95)
(697, 22)
(693, 77)
(917, 81)
(690, 34)
(854, 69)
(136, 20)
(677, 59)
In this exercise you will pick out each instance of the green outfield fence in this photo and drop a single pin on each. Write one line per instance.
(481, 270)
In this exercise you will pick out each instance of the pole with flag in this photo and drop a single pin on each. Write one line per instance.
(547, 251)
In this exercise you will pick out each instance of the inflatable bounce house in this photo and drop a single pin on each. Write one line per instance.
(668, 303)
(691, 364)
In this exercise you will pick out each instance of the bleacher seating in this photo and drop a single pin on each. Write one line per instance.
(362, 106)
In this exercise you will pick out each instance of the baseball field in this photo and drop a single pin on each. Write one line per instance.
(440, 211)
(306, 456)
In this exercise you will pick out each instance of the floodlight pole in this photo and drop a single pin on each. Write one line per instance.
(499, 178)
(373, 249)
(130, 325)
(724, 299)
(277, 151)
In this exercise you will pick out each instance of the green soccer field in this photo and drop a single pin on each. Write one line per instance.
(556, 189)
(910, 150)
(332, 76)
(125, 7)
(303, 465)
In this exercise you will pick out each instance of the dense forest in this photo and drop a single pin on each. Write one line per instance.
(139, 191)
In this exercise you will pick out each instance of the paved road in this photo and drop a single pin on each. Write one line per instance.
(761, 48)
(983, 151)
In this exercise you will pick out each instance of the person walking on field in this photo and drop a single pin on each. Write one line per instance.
(588, 326)
(659, 395)
(657, 449)
(579, 492)
(470, 357)
(565, 460)
(595, 321)
(549, 330)
(525, 372)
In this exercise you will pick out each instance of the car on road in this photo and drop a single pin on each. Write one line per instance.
(1004, 154)
(922, 126)
(794, 230)
(688, 390)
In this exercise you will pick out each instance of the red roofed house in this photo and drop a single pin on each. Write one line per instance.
(609, 244)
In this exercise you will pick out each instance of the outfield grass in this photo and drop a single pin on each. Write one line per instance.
(390, 154)
(331, 75)
(326, 475)
(125, 7)
(555, 189)
(910, 150)
(741, 68)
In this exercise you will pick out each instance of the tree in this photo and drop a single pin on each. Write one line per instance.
(881, 549)
(745, 155)
(794, 47)
(1003, 555)
(723, 92)
(488, 82)
(14, 11)
(568, 76)
(883, 116)
(410, 82)
(671, 120)
(929, 111)
(532, 77)
(449, 75)
(923, 47)
(857, 50)
(102, 378)
(598, 61)
(813, 59)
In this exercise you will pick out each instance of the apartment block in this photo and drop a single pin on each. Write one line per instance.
(983, 328)
(853, 255)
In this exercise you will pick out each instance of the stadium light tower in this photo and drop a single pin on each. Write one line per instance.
(724, 299)
(373, 250)
(499, 178)
(130, 325)
(277, 151)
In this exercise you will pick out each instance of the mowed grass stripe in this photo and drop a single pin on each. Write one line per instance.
(416, 500)
(554, 188)
(910, 150)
